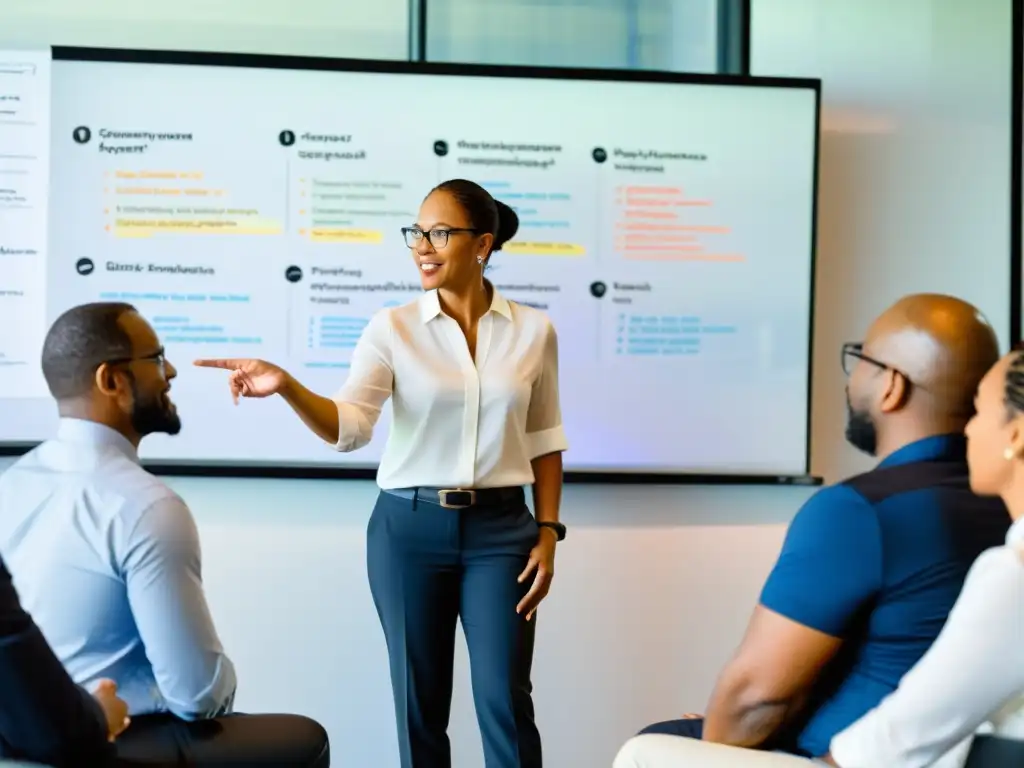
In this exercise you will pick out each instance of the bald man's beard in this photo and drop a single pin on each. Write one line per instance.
(860, 429)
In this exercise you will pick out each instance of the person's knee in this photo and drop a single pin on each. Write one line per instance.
(626, 757)
(311, 733)
(301, 738)
(635, 752)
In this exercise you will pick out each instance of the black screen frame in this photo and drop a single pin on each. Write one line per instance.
(1017, 175)
(402, 67)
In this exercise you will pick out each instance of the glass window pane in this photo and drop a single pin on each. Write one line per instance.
(678, 35)
(342, 28)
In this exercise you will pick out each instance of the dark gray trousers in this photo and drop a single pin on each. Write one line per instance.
(430, 567)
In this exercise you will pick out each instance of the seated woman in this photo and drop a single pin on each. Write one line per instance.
(973, 675)
(972, 678)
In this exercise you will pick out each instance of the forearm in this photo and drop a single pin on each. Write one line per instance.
(547, 487)
(317, 412)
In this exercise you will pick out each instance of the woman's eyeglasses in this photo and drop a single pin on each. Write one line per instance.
(438, 238)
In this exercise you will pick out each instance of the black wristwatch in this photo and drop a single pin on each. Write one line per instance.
(558, 528)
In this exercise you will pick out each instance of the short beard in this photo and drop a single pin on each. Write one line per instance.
(153, 414)
(860, 430)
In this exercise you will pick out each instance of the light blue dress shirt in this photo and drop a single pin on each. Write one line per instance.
(106, 559)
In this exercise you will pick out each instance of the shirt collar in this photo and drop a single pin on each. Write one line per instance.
(95, 434)
(430, 305)
(952, 447)
(1015, 535)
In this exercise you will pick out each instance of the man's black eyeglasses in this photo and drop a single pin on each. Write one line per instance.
(157, 357)
(854, 351)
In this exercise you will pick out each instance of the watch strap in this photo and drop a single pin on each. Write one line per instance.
(558, 528)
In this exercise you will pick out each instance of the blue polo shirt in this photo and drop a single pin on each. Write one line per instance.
(878, 561)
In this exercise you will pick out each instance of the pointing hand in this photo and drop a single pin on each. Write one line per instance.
(249, 378)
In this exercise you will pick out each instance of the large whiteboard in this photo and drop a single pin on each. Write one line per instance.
(667, 228)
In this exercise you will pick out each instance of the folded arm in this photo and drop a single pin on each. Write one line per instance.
(44, 716)
(830, 566)
(163, 572)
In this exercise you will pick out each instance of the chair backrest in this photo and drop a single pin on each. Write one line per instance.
(995, 752)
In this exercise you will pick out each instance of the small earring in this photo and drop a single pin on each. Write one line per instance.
(479, 259)
(1008, 454)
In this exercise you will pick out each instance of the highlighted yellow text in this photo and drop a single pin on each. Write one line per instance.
(543, 249)
(326, 235)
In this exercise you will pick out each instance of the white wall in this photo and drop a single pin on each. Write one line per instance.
(654, 584)
(915, 164)
(342, 28)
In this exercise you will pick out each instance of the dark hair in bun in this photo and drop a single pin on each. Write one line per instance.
(485, 214)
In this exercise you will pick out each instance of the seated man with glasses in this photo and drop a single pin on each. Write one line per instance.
(106, 557)
(870, 567)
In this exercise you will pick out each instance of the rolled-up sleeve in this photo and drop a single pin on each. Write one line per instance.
(544, 431)
(163, 573)
(369, 384)
(972, 670)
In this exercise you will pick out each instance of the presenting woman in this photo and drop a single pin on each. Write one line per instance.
(473, 380)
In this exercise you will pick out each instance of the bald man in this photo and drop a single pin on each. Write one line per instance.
(870, 567)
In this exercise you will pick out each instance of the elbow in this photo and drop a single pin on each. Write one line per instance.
(748, 712)
(352, 442)
(212, 697)
(546, 442)
(205, 706)
(355, 430)
(756, 698)
(191, 712)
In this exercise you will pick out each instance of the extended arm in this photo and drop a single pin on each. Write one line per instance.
(163, 573)
(830, 566)
(44, 716)
(972, 670)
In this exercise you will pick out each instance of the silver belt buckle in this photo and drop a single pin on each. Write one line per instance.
(442, 497)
